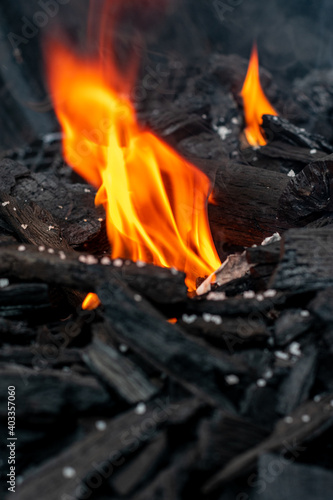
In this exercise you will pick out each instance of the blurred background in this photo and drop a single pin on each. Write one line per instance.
(295, 40)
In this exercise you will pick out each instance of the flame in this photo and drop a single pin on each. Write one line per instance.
(256, 103)
(155, 200)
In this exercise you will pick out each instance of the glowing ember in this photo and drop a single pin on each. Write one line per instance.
(256, 103)
(155, 201)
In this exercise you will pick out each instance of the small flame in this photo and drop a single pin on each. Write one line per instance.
(256, 103)
(155, 200)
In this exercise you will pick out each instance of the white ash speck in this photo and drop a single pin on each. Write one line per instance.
(51, 227)
(21, 248)
(317, 398)
(313, 151)
(305, 314)
(305, 418)
(4, 282)
(140, 409)
(260, 297)
(82, 258)
(261, 382)
(231, 379)
(275, 118)
(270, 293)
(100, 425)
(281, 355)
(271, 239)
(90, 260)
(234, 120)
(106, 261)
(24, 226)
(60, 206)
(123, 348)
(174, 271)
(5, 203)
(86, 190)
(207, 317)
(268, 374)
(216, 296)
(216, 319)
(118, 263)
(223, 132)
(302, 129)
(189, 318)
(291, 173)
(68, 472)
(62, 255)
(249, 294)
(140, 263)
(14, 209)
(41, 248)
(295, 349)
(50, 250)
(137, 297)
(288, 420)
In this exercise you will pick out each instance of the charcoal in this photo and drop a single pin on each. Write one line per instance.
(322, 306)
(295, 389)
(101, 453)
(70, 204)
(44, 395)
(222, 437)
(287, 437)
(118, 372)
(291, 157)
(245, 205)
(72, 270)
(276, 127)
(290, 325)
(165, 346)
(226, 332)
(308, 195)
(141, 468)
(306, 264)
(16, 332)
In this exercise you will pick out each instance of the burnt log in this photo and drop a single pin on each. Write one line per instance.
(86, 273)
(306, 262)
(245, 205)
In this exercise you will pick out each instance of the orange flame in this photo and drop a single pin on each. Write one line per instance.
(155, 201)
(256, 103)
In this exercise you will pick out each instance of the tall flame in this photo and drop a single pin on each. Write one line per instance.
(255, 102)
(155, 201)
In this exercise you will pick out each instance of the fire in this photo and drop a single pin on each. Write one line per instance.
(256, 103)
(155, 201)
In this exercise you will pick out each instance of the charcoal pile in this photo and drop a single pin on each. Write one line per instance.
(157, 394)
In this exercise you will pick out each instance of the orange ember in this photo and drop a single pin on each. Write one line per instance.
(256, 103)
(155, 201)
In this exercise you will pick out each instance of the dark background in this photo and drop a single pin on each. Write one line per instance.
(294, 39)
